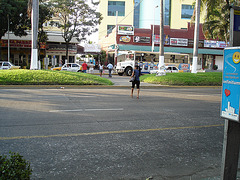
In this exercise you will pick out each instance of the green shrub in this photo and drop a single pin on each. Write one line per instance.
(14, 167)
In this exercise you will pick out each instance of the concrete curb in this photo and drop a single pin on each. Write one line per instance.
(96, 87)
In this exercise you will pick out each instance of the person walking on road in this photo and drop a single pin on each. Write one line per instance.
(84, 66)
(101, 69)
(136, 74)
(110, 67)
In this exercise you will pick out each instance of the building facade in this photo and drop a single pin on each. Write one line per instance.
(54, 49)
(115, 12)
(178, 33)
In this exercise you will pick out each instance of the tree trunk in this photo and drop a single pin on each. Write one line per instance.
(67, 45)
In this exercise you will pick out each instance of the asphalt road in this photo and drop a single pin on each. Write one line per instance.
(169, 133)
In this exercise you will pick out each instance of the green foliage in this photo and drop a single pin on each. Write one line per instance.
(45, 14)
(14, 167)
(16, 10)
(185, 79)
(216, 25)
(48, 77)
(78, 19)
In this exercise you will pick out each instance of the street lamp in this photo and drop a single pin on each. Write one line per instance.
(153, 28)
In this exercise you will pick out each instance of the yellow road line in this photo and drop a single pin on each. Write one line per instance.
(109, 132)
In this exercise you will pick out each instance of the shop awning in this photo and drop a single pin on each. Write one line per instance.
(181, 50)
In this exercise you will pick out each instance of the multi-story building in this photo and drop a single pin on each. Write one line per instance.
(115, 12)
(178, 32)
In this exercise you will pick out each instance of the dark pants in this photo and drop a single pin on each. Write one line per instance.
(110, 72)
(137, 83)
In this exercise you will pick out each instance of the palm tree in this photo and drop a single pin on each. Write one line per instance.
(217, 23)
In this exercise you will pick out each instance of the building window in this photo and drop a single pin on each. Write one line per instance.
(114, 6)
(110, 28)
(187, 11)
(167, 6)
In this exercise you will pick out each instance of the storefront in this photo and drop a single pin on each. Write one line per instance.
(20, 50)
(178, 46)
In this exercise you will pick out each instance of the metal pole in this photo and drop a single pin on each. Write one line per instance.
(116, 51)
(153, 28)
(35, 16)
(161, 36)
(8, 41)
(196, 37)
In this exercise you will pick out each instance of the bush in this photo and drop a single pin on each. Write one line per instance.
(14, 167)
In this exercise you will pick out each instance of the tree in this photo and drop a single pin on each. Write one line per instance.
(78, 19)
(16, 11)
(13, 13)
(217, 22)
(45, 14)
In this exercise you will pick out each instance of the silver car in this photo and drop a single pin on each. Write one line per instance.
(8, 65)
(72, 67)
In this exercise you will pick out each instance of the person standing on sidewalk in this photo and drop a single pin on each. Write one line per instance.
(136, 74)
(84, 66)
(101, 69)
(110, 67)
(91, 68)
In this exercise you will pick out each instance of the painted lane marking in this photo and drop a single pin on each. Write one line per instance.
(118, 109)
(70, 110)
(80, 110)
(109, 132)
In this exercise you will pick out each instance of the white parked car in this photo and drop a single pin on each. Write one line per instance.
(171, 69)
(166, 69)
(8, 65)
(71, 67)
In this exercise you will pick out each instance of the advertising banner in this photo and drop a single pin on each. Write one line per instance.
(125, 30)
(139, 39)
(178, 42)
(231, 84)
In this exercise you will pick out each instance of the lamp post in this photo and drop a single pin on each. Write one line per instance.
(153, 27)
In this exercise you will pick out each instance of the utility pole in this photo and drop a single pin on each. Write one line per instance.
(153, 28)
(161, 36)
(35, 17)
(8, 40)
(196, 37)
(116, 50)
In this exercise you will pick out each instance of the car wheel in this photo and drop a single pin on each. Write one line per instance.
(128, 71)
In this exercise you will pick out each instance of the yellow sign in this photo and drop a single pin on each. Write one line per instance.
(236, 57)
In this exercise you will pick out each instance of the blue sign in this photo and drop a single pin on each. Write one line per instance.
(231, 84)
(236, 21)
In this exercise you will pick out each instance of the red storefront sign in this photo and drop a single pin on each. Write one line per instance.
(20, 44)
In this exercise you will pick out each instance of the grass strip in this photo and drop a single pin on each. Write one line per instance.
(185, 79)
(48, 77)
